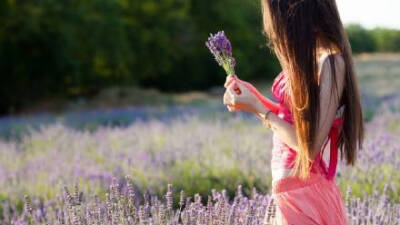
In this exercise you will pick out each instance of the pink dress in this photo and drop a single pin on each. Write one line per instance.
(316, 200)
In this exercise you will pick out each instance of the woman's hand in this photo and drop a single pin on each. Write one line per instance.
(232, 77)
(265, 102)
(238, 96)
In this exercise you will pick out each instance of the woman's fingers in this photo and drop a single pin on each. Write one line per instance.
(226, 98)
(229, 96)
(229, 79)
(234, 79)
(227, 101)
(240, 85)
(232, 94)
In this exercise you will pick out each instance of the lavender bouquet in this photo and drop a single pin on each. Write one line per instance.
(221, 48)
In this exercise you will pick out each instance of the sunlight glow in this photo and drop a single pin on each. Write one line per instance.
(369, 13)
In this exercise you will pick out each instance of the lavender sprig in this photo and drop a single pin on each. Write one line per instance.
(221, 48)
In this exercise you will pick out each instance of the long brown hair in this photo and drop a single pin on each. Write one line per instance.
(295, 30)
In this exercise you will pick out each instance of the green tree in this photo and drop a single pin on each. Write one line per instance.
(387, 40)
(360, 39)
(71, 48)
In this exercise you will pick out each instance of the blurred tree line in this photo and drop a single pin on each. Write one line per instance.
(72, 48)
(75, 48)
(373, 40)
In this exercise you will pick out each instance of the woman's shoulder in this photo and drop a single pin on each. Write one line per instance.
(325, 67)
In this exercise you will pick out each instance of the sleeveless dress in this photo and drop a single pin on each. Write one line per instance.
(315, 201)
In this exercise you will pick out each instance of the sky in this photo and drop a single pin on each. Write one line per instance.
(370, 13)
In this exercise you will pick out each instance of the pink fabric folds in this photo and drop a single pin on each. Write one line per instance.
(333, 156)
(316, 201)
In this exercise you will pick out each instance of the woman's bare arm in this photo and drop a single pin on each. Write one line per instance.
(328, 107)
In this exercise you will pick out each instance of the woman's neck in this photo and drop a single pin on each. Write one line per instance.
(324, 48)
(322, 52)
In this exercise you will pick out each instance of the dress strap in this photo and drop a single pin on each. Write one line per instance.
(333, 136)
(333, 158)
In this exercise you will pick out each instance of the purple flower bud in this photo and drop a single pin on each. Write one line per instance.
(220, 46)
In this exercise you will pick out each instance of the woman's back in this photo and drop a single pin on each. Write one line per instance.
(283, 156)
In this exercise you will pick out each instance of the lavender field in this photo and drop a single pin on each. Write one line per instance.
(219, 160)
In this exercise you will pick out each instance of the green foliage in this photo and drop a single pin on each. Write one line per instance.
(373, 40)
(72, 48)
(360, 39)
(197, 178)
(387, 40)
(51, 49)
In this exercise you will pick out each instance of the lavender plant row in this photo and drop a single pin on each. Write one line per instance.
(122, 206)
(194, 154)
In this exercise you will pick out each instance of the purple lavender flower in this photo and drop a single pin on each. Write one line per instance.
(255, 209)
(221, 48)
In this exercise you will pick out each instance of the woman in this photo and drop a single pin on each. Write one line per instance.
(319, 102)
